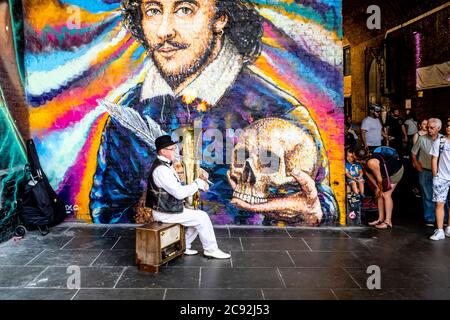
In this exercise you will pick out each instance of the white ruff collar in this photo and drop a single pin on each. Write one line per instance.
(209, 86)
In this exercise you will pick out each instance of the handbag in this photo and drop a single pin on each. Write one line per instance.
(386, 182)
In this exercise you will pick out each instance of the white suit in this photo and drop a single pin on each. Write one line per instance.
(197, 222)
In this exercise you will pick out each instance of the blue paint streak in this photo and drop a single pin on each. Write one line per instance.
(94, 6)
(309, 73)
(137, 54)
(48, 61)
(307, 12)
(36, 101)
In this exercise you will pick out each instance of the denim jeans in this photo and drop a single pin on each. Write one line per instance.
(426, 187)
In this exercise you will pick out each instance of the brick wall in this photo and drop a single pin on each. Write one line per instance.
(430, 47)
(401, 66)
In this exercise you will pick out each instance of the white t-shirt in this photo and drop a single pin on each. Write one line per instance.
(444, 160)
(373, 127)
(412, 127)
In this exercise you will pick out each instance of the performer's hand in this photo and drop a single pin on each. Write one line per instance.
(179, 168)
(202, 184)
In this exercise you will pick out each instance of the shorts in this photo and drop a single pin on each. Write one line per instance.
(348, 180)
(440, 189)
(396, 177)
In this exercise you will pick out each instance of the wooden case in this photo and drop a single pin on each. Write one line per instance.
(157, 243)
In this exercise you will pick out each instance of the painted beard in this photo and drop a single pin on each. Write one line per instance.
(174, 80)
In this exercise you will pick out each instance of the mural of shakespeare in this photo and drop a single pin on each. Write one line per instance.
(236, 73)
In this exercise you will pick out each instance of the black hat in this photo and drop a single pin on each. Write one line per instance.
(163, 142)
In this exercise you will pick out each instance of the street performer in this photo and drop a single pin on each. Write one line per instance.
(165, 195)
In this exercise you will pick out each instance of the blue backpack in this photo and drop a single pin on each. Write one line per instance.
(387, 152)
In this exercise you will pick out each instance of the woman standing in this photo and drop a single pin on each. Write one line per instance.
(422, 130)
(384, 169)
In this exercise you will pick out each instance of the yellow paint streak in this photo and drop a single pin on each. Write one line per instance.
(52, 13)
(202, 106)
(271, 42)
(82, 199)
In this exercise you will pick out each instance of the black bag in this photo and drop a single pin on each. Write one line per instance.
(36, 210)
(41, 206)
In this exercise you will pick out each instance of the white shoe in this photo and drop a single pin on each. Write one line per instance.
(190, 252)
(438, 235)
(447, 231)
(218, 254)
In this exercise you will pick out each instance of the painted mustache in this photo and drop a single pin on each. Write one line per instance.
(172, 44)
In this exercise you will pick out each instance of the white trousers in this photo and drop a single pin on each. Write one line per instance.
(197, 222)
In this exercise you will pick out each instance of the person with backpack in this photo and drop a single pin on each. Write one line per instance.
(421, 160)
(384, 169)
(440, 167)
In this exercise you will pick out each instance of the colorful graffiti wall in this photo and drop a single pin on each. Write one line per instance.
(256, 84)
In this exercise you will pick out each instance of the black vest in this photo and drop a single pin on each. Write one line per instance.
(159, 199)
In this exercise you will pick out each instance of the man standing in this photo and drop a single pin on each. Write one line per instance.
(421, 160)
(166, 194)
(396, 131)
(440, 165)
(371, 128)
(198, 71)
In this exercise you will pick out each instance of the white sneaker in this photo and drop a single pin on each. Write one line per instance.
(438, 235)
(190, 252)
(447, 231)
(218, 254)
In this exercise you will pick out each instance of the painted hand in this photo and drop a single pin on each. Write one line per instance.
(304, 203)
(203, 174)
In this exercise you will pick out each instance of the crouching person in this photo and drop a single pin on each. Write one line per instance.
(165, 195)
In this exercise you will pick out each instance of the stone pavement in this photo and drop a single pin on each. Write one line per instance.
(267, 263)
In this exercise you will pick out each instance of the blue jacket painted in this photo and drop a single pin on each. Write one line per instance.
(124, 160)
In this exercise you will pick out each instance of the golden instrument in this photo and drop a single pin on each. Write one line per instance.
(191, 156)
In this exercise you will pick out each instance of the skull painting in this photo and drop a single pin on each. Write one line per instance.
(272, 171)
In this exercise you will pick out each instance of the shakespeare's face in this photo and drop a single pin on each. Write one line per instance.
(180, 34)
